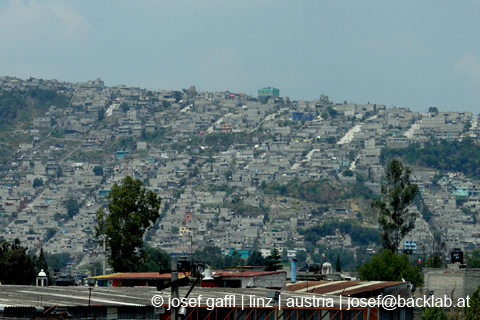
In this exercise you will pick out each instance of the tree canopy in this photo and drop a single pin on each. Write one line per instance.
(155, 258)
(301, 256)
(58, 260)
(274, 261)
(72, 207)
(98, 171)
(255, 259)
(16, 266)
(397, 194)
(473, 259)
(387, 266)
(131, 212)
(37, 182)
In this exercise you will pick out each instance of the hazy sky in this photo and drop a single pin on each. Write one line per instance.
(406, 53)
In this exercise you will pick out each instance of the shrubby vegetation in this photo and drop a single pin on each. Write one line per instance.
(212, 256)
(242, 209)
(361, 236)
(321, 191)
(16, 104)
(458, 156)
(216, 142)
(388, 266)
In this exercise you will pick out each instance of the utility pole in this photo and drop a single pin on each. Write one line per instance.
(104, 255)
(174, 295)
(191, 252)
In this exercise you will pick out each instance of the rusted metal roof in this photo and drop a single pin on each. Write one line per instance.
(303, 285)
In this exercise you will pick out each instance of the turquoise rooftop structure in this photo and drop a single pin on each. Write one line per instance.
(268, 92)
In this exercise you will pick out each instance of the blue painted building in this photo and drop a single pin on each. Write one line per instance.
(298, 116)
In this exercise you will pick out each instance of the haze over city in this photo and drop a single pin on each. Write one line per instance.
(405, 54)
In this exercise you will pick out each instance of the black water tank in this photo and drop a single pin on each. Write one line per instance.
(457, 256)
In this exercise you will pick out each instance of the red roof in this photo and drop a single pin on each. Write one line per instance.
(139, 276)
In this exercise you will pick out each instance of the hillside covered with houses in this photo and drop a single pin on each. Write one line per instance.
(234, 171)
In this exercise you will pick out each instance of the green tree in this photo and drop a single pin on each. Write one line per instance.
(59, 172)
(284, 255)
(435, 260)
(348, 173)
(16, 266)
(155, 259)
(72, 207)
(433, 313)
(473, 311)
(332, 111)
(96, 269)
(49, 234)
(301, 256)
(195, 172)
(58, 260)
(101, 114)
(166, 104)
(37, 182)
(177, 95)
(131, 212)
(227, 174)
(43, 265)
(388, 266)
(211, 256)
(255, 259)
(98, 171)
(234, 260)
(397, 194)
(473, 259)
(273, 261)
(324, 99)
(433, 109)
(338, 266)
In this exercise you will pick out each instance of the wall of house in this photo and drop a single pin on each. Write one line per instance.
(273, 280)
(462, 282)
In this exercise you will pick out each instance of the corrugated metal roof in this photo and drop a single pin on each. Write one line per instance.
(299, 285)
(244, 273)
(139, 276)
(374, 286)
(29, 296)
(341, 287)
